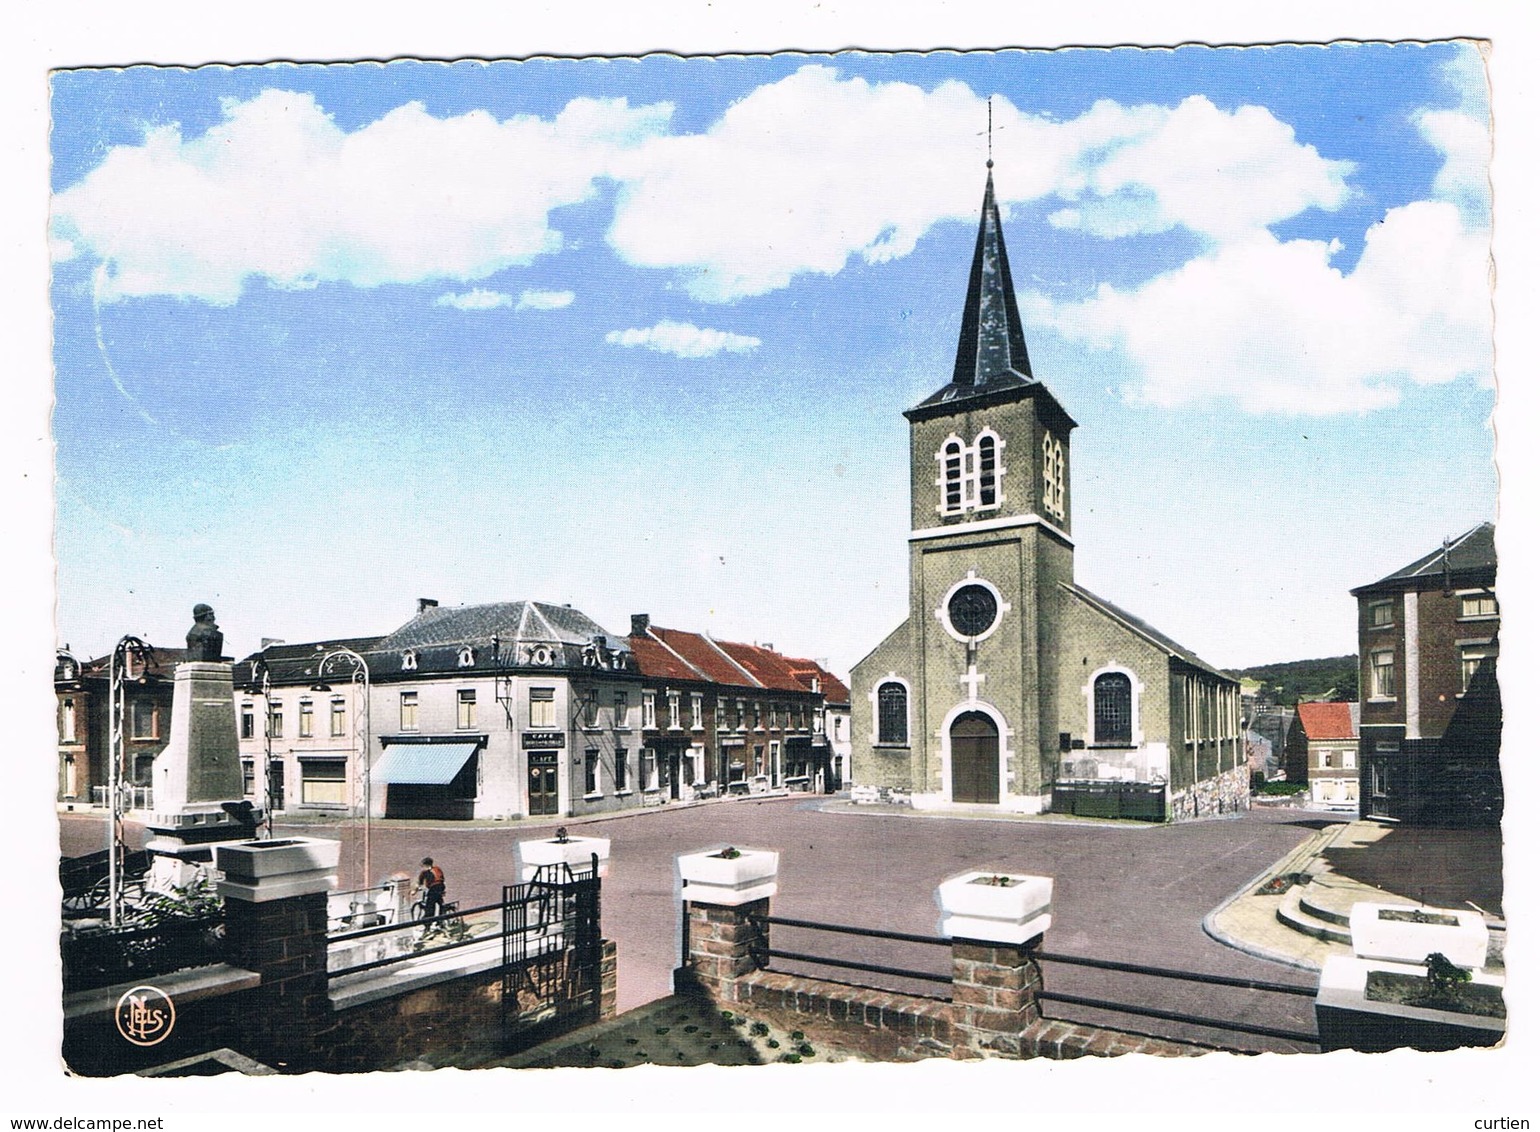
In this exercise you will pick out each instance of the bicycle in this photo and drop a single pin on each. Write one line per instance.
(448, 920)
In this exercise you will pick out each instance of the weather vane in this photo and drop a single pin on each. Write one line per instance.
(989, 141)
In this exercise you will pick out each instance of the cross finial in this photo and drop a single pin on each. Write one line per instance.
(990, 142)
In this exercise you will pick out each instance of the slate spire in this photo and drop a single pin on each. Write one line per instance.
(991, 342)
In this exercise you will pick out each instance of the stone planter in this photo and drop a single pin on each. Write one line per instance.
(1463, 943)
(710, 878)
(1346, 1018)
(576, 852)
(253, 860)
(260, 871)
(1013, 912)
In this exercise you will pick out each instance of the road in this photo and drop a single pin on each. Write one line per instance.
(1125, 892)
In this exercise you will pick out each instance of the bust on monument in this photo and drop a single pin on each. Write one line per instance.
(204, 640)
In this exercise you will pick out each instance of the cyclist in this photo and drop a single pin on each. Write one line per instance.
(430, 882)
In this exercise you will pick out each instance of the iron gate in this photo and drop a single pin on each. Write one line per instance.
(551, 952)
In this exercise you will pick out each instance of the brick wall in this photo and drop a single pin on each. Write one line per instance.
(992, 1012)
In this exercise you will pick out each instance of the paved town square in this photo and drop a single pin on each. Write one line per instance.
(1126, 892)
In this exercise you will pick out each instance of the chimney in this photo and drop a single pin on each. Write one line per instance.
(639, 624)
(426, 603)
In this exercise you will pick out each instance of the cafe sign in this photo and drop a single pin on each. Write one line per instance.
(544, 739)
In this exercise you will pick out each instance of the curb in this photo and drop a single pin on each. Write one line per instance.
(1309, 849)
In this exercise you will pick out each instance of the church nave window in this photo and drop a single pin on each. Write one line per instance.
(892, 713)
(1114, 710)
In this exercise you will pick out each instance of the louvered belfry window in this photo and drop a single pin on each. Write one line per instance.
(986, 459)
(892, 714)
(953, 471)
(1114, 709)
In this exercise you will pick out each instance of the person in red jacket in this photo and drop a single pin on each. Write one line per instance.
(430, 882)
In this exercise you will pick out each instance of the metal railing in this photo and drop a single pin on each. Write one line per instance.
(135, 797)
(101, 958)
(445, 922)
(768, 952)
(1142, 1011)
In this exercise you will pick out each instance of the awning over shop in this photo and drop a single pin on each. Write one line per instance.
(421, 764)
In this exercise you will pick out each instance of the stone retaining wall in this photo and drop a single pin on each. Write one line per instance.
(1229, 792)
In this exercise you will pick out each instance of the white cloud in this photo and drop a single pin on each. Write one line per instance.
(683, 339)
(1466, 147)
(277, 190)
(545, 300)
(806, 173)
(1275, 327)
(479, 299)
(1219, 174)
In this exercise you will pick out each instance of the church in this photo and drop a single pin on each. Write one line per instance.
(1010, 686)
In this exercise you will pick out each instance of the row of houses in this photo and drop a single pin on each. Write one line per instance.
(502, 710)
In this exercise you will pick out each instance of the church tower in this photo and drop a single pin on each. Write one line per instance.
(964, 695)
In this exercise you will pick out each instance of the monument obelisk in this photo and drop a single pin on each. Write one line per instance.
(198, 796)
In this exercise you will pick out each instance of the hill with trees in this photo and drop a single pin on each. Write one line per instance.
(1331, 677)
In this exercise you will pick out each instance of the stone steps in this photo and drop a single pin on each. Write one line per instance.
(1293, 915)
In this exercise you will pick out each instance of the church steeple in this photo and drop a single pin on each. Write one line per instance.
(991, 343)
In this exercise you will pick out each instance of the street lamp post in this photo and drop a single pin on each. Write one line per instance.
(359, 677)
(127, 650)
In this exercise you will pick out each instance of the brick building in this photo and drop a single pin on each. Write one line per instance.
(730, 716)
(1322, 752)
(1010, 685)
(1431, 712)
(82, 694)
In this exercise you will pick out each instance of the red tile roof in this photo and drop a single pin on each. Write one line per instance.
(1327, 721)
(833, 688)
(769, 668)
(674, 654)
(708, 661)
(653, 659)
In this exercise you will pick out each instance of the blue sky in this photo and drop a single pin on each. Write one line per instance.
(636, 335)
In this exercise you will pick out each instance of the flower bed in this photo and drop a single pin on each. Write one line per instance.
(1401, 989)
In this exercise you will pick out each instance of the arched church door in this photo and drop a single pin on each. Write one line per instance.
(975, 759)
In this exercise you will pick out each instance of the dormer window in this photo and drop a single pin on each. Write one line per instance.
(466, 657)
(409, 660)
(970, 474)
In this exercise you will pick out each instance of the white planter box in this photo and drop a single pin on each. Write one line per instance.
(1347, 1019)
(709, 878)
(1011, 913)
(1463, 943)
(576, 852)
(256, 860)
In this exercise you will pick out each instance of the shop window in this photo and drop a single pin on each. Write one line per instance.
(323, 782)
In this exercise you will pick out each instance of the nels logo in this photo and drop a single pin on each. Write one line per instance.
(145, 1015)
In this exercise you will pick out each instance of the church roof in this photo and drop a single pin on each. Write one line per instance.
(1146, 630)
(1469, 559)
(992, 364)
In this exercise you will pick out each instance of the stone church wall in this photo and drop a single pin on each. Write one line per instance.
(1091, 641)
(870, 765)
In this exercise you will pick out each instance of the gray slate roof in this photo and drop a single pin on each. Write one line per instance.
(512, 622)
(1146, 630)
(1473, 555)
